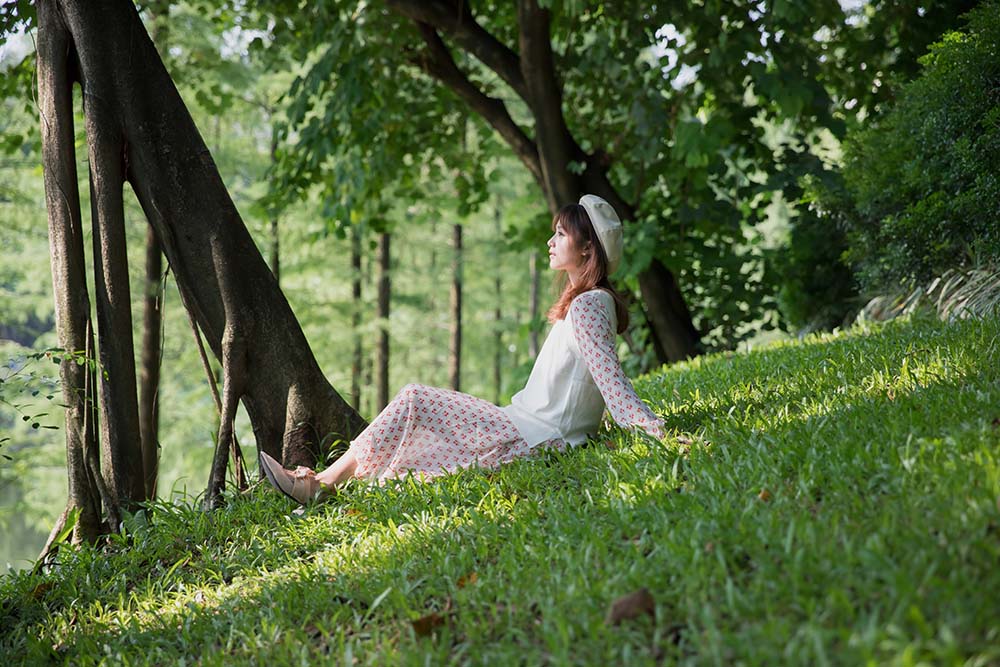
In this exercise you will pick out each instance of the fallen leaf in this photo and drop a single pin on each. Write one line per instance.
(709, 547)
(764, 495)
(425, 625)
(467, 579)
(630, 606)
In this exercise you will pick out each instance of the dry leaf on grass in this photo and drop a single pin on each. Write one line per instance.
(630, 606)
(428, 623)
(764, 495)
(425, 625)
(467, 579)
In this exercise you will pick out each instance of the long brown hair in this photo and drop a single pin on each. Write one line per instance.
(594, 274)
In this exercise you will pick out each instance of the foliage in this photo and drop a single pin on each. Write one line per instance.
(924, 177)
(715, 109)
(818, 290)
(847, 485)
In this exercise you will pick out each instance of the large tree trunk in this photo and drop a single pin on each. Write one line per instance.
(382, 350)
(142, 131)
(455, 352)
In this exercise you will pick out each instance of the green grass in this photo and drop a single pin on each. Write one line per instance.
(877, 540)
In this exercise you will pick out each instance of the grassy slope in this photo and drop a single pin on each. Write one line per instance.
(877, 540)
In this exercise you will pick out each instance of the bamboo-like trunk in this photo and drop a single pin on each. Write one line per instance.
(275, 237)
(498, 307)
(533, 304)
(356, 306)
(455, 352)
(382, 350)
(149, 379)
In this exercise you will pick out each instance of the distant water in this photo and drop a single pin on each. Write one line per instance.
(22, 529)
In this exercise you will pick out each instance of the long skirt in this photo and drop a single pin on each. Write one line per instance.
(428, 432)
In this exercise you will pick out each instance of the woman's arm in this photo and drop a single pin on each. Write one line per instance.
(596, 339)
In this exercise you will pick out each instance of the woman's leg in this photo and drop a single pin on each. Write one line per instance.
(430, 431)
(427, 431)
(340, 471)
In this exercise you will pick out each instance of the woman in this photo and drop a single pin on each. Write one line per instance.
(430, 431)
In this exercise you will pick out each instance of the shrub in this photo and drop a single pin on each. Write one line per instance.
(923, 177)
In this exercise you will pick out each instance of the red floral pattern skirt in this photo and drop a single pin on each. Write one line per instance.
(430, 432)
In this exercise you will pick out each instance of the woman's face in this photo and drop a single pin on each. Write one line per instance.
(563, 253)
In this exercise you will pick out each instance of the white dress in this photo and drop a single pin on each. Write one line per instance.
(575, 377)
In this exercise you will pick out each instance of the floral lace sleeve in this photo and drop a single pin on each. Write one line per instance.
(596, 339)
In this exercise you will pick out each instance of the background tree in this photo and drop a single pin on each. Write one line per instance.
(697, 121)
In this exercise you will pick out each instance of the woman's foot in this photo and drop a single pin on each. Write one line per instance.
(300, 485)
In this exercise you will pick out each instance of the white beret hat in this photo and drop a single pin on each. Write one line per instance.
(608, 227)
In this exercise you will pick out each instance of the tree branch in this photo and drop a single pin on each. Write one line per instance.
(556, 146)
(438, 63)
(456, 20)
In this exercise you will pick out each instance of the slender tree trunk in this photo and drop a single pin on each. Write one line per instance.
(140, 129)
(56, 62)
(384, 292)
(533, 304)
(149, 399)
(455, 356)
(275, 238)
(498, 309)
(356, 306)
(120, 437)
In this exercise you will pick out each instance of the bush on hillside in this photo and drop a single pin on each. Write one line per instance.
(817, 289)
(924, 177)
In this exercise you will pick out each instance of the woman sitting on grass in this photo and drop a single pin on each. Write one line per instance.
(428, 431)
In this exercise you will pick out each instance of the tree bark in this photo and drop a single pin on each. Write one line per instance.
(294, 411)
(455, 352)
(498, 309)
(544, 96)
(382, 350)
(149, 382)
(120, 439)
(668, 314)
(356, 305)
(533, 304)
(275, 238)
(151, 352)
(56, 62)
